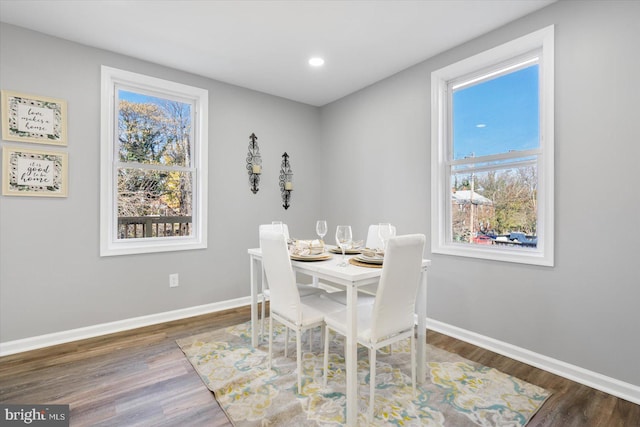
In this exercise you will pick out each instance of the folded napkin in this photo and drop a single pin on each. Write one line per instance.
(354, 246)
(373, 253)
(306, 247)
(357, 244)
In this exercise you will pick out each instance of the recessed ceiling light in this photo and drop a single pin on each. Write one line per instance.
(316, 62)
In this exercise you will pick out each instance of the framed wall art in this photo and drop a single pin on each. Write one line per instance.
(33, 172)
(31, 118)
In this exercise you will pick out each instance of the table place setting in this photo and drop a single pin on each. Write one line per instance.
(308, 250)
(353, 249)
(350, 249)
(368, 258)
(374, 257)
(312, 249)
(317, 250)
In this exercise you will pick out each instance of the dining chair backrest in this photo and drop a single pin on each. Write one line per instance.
(394, 306)
(373, 240)
(276, 227)
(285, 297)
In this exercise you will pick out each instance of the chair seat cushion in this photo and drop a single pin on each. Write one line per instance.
(337, 321)
(314, 309)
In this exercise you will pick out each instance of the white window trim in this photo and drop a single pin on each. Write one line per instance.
(109, 244)
(440, 193)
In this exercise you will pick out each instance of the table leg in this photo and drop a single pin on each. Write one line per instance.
(351, 356)
(421, 310)
(263, 285)
(253, 272)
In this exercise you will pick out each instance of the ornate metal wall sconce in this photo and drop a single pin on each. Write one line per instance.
(286, 180)
(254, 163)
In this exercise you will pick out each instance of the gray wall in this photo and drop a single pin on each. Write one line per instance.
(583, 311)
(51, 275)
(376, 144)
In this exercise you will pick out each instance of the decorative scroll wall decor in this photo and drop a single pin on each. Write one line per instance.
(286, 181)
(254, 163)
(29, 118)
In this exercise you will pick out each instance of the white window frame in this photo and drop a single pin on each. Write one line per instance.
(109, 243)
(441, 234)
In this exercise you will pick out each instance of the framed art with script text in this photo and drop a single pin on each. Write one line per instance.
(32, 118)
(34, 172)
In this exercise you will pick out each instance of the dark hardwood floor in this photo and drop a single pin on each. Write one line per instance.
(140, 377)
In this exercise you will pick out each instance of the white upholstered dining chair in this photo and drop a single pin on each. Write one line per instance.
(287, 307)
(391, 317)
(374, 242)
(284, 228)
(373, 239)
(305, 290)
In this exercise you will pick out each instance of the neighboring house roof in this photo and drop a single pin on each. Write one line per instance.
(466, 196)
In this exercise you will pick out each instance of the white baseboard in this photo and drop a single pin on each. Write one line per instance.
(580, 375)
(32, 343)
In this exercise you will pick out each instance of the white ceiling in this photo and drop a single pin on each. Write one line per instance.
(265, 45)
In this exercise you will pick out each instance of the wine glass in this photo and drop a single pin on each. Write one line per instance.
(321, 228)
(343, 239)
(385, 231)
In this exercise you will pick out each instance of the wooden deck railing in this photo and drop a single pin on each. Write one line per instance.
(130, 227)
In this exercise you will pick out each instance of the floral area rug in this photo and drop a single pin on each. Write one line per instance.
(457, 392)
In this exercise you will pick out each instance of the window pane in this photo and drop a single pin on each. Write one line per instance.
(497, 207)
(154, 203)
(153, 130)
(497, 116)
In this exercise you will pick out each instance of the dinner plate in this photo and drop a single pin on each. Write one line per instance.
(369, 260)
(318, 257)
(346, 251)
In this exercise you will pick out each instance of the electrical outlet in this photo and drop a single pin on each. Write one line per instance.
(174, 280)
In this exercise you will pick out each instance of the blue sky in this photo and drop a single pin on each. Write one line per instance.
(139, 98)
(498, 115)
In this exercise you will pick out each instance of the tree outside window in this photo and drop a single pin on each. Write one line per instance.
(156, 133)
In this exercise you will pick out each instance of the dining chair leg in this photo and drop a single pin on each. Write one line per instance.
(310, 340)
(286, 341)
(262, 317)
(270, 338)
(372, 382)
(326, 354)
(299, 358)
(413, 364)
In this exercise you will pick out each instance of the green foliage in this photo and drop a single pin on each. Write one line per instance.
(141, 134)
(513, 196)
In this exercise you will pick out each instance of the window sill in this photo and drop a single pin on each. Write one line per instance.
(520, 255)
(144, 246)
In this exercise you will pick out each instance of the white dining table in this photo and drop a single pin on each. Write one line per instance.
(351, 278)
